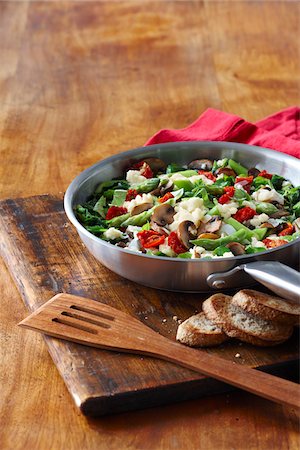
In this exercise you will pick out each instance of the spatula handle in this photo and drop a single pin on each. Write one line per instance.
(259, 383)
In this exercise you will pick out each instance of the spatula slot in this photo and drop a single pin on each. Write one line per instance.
(93, 312)
(85, 319)
(74, 325)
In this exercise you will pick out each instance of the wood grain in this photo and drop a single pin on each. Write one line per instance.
(80, 81)
(96, 324)
(46, 257)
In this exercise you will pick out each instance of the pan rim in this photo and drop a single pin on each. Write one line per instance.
(68, 197)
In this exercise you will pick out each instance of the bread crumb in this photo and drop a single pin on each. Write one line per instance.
(175, 318)
(164, 320)
(237, 355)
(146, 317)
(179, 321)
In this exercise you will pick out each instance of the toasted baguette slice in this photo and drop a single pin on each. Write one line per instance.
(267, 306)
(242, 325)
(198, 331)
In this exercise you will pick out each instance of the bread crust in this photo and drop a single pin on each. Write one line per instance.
(235, 322)
(267, 307)
(194, 333)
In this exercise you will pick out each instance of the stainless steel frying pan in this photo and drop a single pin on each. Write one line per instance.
(271, 268)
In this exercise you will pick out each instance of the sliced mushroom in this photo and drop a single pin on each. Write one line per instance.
(162, 189)
(227, 171)
(280, 227)
(166, 187)
(163, 214)
(201, 164)
(157, 228)
(296, 224)
(197, 255)
(156, 164)
(254, 172)
(278, 214)
(208, 236)
(236, 248)
(121, 244)
(186, 231)
(213, 225)
(267, 225)
(138, 209)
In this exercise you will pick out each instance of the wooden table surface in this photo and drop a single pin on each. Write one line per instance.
(80, 81)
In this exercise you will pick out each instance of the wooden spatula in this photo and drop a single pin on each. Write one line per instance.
(92, 323)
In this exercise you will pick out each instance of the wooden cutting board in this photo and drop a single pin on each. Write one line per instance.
(45, 256)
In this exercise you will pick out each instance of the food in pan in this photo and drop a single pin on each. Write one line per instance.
(250, 316)
(203, 210)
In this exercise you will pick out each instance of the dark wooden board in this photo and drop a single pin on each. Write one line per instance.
(45, 256)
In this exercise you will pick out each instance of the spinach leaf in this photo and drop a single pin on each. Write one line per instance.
(88, 217)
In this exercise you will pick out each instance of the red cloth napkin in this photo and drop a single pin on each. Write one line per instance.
(280, 131)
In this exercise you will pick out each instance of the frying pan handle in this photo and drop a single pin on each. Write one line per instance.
(281, 279)
(278, 277)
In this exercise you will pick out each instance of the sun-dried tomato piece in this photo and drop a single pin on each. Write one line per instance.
(229, 193)
(150, 238)
(175, 243)
(207, 174)
(144, 169)
(115, 211)
(131, 194)
(288, 229)
(272, 243)
(242, 179)
(244, 214)
(265, 174)
(166, 197)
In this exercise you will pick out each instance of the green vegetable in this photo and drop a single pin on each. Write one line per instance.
(259, 233)
(277, 181)
(116, 184)
(172, 168)
(238, 168)
(186, 255)
(186, 185)
(117, 221)
(147, 226)
(240, 195)
(211, 244)
(100, 206)
(217, 166)
(178, 194)
(87, 217)
(202, 193)
(96, 229)
(267, 208)
(138, 220)
(292, 237)
(214, 189)
(219, 251)
(155, 253)
(108, 194)
(292, 195)
(214, 211)
(147, 186)
(249, 249)
(224, 181)
(188, 173)
(261, 181)
(119, 197)
(296, 209)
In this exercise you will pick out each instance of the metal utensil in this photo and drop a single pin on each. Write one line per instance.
(189, 275)
(89, 322)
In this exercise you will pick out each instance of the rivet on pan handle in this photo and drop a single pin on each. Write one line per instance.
(281, 279)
